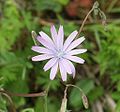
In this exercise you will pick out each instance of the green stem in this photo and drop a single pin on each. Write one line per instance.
(46, 98)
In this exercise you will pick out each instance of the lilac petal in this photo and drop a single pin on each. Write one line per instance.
(49, 64)
(41, 57)
(76, 51)
(45, 43)
(72, 68)
(74, 59)
(66, 65)
(53, 71)
(46, 37)
(53, 33)
(41, 50)
(70, 39)
(60, 37)
(75, 43)
(62, 71)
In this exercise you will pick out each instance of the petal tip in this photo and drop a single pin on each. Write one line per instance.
(86, 50)
(73, 76)
(82, 37)
(52, 78)
(44, 69)
(32, 48)
(83, 62)
(76, 31)
(64, 80)
(33, 59)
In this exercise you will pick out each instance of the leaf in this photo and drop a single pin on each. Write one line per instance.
(97, 92)
(115, 95)
(75, 96)
(118, 106)
(9, 31)
(43, 5)
(44, 80)
(28, 110)
(63, 2)
(11, 66)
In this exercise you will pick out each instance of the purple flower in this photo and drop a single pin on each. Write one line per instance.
(59, 52)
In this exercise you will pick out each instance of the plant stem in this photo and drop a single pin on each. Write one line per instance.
(24, 95)
(83, 23)
(46, 99)
(84, 98)
(12, 106)
(71, 85)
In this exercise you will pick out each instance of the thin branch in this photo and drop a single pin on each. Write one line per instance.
(10, 101)
(83, 23)
(24, 95)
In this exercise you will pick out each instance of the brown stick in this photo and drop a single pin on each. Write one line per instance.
(83, 23)
(24, 95)
(12, 106)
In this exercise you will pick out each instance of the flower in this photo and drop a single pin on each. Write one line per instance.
(59, 52)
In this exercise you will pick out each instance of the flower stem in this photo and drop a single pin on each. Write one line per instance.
(46, 98)
(84, 98)
(83, 23)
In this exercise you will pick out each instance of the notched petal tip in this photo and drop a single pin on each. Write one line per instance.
(44, 69)
(33, 59)
(61, 25)
(75, 31)
(84, 50)
(33, 47)
(64, 80)
(83, 62)
(73, 75)
(82, 38)
(51, 78)
(40, 32)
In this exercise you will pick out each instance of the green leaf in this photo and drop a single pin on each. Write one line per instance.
(43, 5)
(75, 96)
(9, 31)
(28, 110)
(63, 2)
(97, 92)
(118, 106)
(44, 80)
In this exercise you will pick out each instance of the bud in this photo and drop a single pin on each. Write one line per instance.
(96, 5)
(34, 36)
(85, 101)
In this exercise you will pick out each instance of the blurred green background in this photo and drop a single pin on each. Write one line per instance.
(99, 77)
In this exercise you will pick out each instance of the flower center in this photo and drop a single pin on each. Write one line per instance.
(60, 54)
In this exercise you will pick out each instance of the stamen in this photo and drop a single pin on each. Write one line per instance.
(60, 54)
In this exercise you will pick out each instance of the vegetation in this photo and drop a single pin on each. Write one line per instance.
(99, 77)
